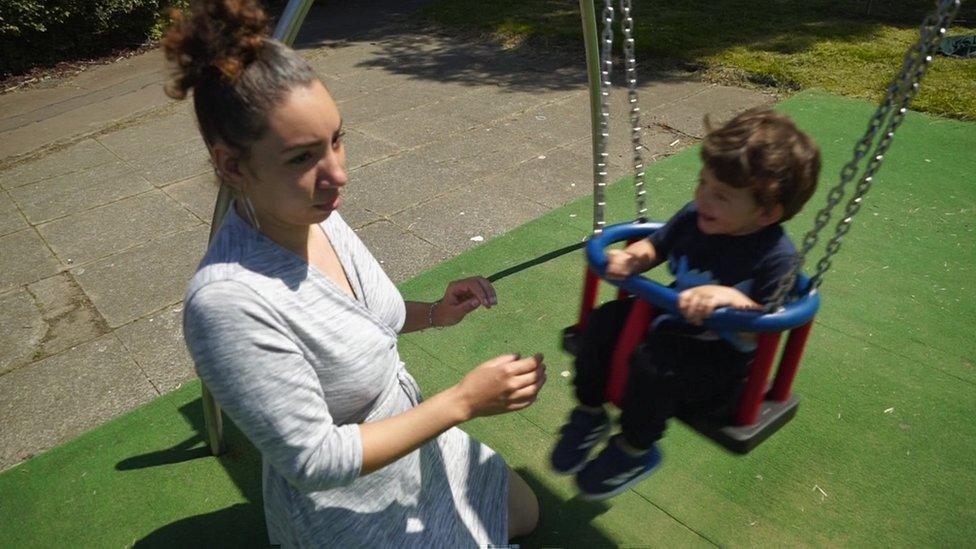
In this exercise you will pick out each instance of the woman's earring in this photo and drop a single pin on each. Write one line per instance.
(249, 208)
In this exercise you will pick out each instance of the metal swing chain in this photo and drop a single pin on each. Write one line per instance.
(901, 92)
(606, 66)
(627, 24)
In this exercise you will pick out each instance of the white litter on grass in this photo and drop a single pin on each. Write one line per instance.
(572, 215)
(572, 184)
(540, 117)
(759, 476)
(889, 410)
(673, 143)
(477, 239)
(823, 495)
(564, 373)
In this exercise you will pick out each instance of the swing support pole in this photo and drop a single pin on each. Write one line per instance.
(285, 32)
(591, 281)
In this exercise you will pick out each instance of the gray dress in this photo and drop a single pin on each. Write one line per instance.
(297, 364)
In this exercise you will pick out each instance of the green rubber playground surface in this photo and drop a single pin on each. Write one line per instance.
(882, 452)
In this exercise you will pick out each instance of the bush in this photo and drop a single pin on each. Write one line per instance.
(43, 32)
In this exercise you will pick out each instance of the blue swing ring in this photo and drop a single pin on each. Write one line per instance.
(796, 313)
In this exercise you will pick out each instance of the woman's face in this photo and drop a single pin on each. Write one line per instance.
(294, 173)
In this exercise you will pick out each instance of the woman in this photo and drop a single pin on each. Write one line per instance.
(293, 325)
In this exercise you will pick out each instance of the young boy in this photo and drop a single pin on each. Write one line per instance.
(725, 249)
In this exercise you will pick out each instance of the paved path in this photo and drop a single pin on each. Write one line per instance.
(106, 193)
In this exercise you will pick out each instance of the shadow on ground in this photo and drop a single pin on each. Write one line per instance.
(562, 523)
(240, 525)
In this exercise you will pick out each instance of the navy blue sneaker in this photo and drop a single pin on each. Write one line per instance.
(579, 436)
(615, 471)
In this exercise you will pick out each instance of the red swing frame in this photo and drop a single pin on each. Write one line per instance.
(747, 431)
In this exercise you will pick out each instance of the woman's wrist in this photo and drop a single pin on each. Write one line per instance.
(430, 314)
(457, 405)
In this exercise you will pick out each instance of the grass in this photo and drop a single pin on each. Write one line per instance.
(835, 45)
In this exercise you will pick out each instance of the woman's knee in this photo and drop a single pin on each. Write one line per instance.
(523, 507)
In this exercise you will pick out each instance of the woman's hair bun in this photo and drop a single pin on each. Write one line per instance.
(218, 39)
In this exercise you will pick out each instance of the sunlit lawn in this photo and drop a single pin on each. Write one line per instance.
(840, 46)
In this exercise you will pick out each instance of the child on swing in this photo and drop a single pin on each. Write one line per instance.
(726, 248)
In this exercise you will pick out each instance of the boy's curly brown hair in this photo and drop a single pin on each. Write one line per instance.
(765, 151)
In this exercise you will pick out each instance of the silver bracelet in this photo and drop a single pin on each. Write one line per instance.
(430, 314)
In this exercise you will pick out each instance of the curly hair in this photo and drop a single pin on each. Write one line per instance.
(765, 151)
(222, 52)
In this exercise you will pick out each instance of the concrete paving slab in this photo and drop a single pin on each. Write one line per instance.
(422, 125)
(397, 183)
(58, 398)
(144, 279)
(174, 169)
(102, 111)
(176, 130)
(342, 89)
(401, 253)
(79, 191)
(354, 214)
(121, 73)
(80, 156)
(657, 91)
(362, 149)
(368, 79)
(553, 125)
(11, 220)
(24, 258)
(126, 83)
(720, 102)
(386, 102)
(164, 152)
(479, 152)
(551, 179)
(156, 344)
(21, 328)
(485, 109)
(197, 194)
(93, 234)
(15, 104)
(460, 220)
(70, 317)
(347, 58)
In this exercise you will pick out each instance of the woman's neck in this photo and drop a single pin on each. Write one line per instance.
(294, 238)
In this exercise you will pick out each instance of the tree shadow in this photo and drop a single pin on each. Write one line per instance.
(673, 34)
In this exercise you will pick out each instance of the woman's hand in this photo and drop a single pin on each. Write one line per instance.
(503, 384)
(461, 297)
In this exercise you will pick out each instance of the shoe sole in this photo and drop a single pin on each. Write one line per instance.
(586, 496)
(579, 466)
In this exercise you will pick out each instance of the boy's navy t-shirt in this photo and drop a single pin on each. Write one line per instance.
(752, 263)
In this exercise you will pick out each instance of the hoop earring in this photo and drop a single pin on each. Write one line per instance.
(249, 208)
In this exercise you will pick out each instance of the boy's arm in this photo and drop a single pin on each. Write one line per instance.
(636, 258)
(698, 303)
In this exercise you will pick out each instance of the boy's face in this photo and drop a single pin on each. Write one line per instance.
(724, 209)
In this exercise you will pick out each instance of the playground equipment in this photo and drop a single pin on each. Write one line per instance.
(762, 408)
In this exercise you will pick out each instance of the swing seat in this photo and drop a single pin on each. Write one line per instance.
(762, 408)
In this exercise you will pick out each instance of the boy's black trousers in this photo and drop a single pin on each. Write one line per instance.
(671, 373)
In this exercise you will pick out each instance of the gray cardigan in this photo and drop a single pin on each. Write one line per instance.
(297, 364)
